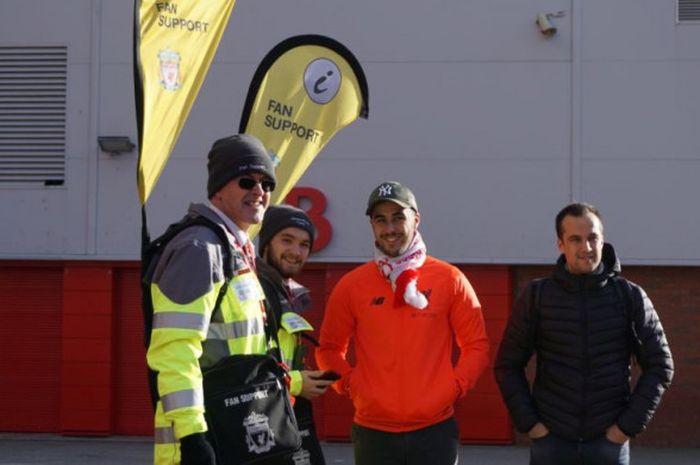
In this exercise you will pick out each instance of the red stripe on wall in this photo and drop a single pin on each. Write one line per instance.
(30, 347)
(133, 414)
(72, 333)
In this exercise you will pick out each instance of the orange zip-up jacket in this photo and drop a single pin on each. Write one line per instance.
(403, 378)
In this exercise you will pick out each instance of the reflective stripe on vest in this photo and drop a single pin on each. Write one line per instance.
(234, 330)
(239, 319)
(164, 435)
(237, 325)
(180, 320)
(184, 398)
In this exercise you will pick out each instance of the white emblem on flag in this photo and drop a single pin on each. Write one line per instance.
(322, 80)
(259, 437)
(385, 190)
(169, 69)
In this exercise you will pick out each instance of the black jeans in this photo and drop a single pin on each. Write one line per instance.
(435, 445)
(553, 450)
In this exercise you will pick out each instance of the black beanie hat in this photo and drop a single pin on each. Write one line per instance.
(234, 156)
(284, 216)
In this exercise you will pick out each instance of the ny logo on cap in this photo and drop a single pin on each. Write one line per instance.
(385, 190)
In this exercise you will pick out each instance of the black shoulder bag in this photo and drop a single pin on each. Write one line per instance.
(248, 409)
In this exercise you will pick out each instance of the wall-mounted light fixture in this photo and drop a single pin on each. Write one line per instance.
(543, 22)
(114, 145)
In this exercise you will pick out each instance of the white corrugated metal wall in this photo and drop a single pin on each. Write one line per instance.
(494, 126)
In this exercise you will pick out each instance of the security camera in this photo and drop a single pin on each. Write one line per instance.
(546, 27)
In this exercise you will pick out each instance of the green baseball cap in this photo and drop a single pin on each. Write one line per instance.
(392, 191)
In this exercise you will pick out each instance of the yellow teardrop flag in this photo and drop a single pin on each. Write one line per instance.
(305, 90)
(174, 44)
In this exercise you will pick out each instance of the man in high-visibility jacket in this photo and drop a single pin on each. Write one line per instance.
(189, 334)
(285, 242)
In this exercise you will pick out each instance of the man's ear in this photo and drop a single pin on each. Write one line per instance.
(560, 245)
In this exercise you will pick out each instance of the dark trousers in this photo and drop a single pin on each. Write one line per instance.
(435, 445)
(310, 452)
(553, 450)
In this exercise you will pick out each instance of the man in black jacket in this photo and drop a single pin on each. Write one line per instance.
(584, 323)
(285, 242)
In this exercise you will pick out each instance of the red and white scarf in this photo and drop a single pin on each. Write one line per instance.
(402, 271)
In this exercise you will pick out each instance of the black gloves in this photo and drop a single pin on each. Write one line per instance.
(196, 450)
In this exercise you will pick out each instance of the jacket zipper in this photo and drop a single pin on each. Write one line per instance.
(586, 362)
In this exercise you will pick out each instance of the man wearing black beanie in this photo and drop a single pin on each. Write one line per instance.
(190, 332)
(285, 242)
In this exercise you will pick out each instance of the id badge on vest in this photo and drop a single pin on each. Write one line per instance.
(247, 288)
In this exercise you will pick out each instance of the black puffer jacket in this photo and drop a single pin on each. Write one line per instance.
(583, 338)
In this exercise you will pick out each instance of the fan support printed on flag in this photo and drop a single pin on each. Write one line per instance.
(174, 45)
(305, 90)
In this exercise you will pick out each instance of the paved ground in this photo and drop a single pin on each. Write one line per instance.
(44, 449)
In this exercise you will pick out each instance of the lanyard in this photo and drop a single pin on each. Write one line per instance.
(246, 250)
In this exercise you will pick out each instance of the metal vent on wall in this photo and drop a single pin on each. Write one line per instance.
(32, 115)
(688, 11)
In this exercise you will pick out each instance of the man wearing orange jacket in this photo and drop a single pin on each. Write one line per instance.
(402, 310)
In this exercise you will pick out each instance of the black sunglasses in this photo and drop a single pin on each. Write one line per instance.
(249, 183)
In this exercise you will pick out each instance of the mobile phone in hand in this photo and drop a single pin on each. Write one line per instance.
(329, 376)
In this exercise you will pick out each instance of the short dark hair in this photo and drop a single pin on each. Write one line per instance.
(575, 209)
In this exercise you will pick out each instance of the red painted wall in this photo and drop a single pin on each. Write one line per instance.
(72, 336)
(132, 405)
(30, 346)
(482, 416)
(72, 355)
